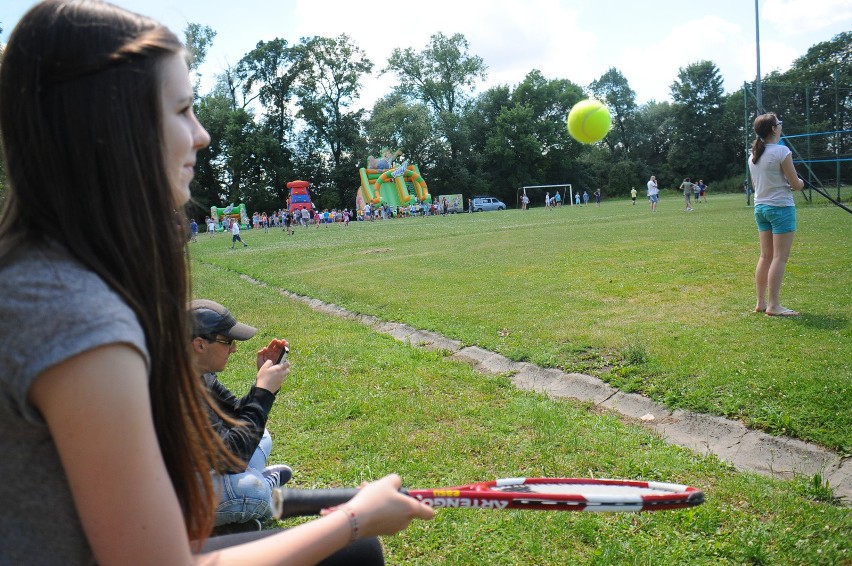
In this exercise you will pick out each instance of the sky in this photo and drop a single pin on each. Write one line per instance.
(578, 40)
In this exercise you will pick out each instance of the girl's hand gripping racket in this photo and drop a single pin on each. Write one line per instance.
(548, 494)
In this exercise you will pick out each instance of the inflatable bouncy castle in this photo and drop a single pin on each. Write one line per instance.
(234, 213)
(384, 183)
(299, 197)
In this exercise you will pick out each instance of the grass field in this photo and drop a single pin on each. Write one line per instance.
(658, 304)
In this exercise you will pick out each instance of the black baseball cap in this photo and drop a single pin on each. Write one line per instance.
(209, 317)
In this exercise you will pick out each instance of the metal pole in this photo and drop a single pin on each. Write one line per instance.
(745, 129)
(808, 121)
(837, 129)
(759, 85)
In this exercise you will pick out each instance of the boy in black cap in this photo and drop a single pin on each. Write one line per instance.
(245, 495)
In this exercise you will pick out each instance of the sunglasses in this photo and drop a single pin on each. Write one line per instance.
(226, 342)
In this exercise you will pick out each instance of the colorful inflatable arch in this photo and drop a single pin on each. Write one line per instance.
(299, 197)
(394, 187)
(236, 213)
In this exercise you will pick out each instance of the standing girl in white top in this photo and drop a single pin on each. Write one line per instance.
(774, 179)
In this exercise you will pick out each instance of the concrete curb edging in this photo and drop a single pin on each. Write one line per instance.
(729, 440)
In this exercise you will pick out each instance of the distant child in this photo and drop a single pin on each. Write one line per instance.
(235, 235)
(701, 190)
(686, 187)
(633, 195)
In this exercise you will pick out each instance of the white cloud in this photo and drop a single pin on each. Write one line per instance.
(511, 37)
(652, 67)
(797, 17)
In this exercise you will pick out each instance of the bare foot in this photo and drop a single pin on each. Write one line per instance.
(783, 312)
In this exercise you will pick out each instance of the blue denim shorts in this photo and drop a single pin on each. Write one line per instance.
(779, 219)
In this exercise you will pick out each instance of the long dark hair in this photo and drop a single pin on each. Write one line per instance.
(81, 127)
(763, 125)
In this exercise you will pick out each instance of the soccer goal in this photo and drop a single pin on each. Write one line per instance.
(536, 194)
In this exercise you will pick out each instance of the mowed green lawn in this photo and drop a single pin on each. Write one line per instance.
(658, 304)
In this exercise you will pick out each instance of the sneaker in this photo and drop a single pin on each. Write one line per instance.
(277, 475)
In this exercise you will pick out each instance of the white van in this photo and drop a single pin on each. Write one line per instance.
(481, 204)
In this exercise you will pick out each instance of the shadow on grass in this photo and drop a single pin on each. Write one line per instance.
(820, 321)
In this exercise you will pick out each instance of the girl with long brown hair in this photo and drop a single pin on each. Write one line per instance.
(107, 449)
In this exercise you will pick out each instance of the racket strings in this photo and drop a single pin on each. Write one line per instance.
(581, 489)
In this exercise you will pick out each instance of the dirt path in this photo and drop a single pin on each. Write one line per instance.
(731, 441)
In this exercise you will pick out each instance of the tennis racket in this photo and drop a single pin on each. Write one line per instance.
(548, 494)
(826, 195)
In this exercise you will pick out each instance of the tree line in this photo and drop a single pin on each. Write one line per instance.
(289, 111)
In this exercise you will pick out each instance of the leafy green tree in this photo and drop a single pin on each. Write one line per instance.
(815, 95)
(655, 130)
(614, 89)
(269, 74)
(396, 123)
(815, 88)
(218, 174)
(267, 78)
(198, 40)
(701, 146)
(481, 120)
(442, 76)
(328, 89)
(528, 142)
(625, 175)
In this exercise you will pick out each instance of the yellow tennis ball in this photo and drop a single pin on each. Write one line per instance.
(589, 121)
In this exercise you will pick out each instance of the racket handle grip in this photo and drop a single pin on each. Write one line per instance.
(304, 502)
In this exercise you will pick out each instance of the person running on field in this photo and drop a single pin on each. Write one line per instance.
(235, 235)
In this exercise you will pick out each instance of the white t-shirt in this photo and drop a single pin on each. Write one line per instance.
(235, 228)
(652, 188)
(770, 184)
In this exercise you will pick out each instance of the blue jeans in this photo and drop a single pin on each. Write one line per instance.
(247, 495)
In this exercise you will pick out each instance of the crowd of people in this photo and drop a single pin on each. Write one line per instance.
(692, 192)
(288, 219)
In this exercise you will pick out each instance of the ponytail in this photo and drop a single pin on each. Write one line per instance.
(763, 125)
(758, 146)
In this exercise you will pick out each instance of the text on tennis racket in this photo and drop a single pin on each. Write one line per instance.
(461, 502)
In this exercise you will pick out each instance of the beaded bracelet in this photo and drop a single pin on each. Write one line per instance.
(354, 525)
